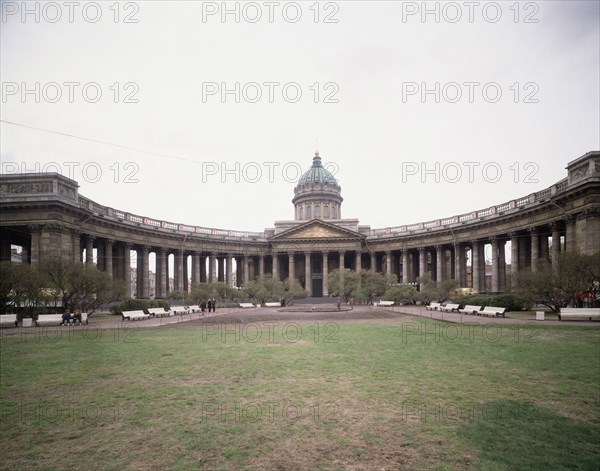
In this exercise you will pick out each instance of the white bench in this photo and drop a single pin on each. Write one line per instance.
(49, 319)
(273, 304)
(9, 320)
(583, 313)
(194, 308)
(135, 315)
(178, 311)
(491, 311)
(468, 309)
(158, 312)
(246, 305)
(433, 307)
(385, 303)
(450, 307)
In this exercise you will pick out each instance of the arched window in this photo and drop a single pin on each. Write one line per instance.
(334, 212)
(326, 212)
(308, 212)
(317, 212)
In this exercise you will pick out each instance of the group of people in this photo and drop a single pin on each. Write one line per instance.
(211, 305)
(68, 317)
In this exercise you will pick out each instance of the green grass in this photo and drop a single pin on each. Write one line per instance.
(376, 395)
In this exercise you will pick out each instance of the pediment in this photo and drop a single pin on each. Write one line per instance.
(317, 229)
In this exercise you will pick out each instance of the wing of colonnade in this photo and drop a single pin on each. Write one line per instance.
(45, 215)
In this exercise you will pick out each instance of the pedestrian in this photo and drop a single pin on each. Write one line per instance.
(209, 304)
(339, 302)
(203, 306)
(214, 304)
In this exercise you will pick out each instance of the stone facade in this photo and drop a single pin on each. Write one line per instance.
(46, 215)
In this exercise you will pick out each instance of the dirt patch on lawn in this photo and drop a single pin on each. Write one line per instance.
(273, 315)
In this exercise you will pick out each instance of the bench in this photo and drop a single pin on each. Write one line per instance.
(385, 303)
(194, 308)
(583, 313)
(273, 304)
(178, 311)
(9, 320)
(134, 315)
(49, 319)
(450, 307)
(433, 307)
(470, 309)
(246, 305)
(158, 312)
(491, 311)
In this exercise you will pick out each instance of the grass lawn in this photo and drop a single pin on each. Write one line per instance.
(395, 393)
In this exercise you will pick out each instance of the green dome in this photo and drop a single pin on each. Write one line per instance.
(317, 174)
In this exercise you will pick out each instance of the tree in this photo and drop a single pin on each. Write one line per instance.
(78, 286)
(21, 287)
(267, 289)
(403, 294)
(434, 290)
(343, 283)
(372, 284)
(574, 280)
(217, 290)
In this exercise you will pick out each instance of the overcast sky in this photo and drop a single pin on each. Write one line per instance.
(517, 98)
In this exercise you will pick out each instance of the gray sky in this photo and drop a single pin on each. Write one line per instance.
(193, 155)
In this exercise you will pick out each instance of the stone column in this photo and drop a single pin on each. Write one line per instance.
(212, 268)
(325, 256)
(245, 270)
(261, 266)
(439, 263)
(138, 271)
(195, 268)
(405, 267)
(535, 255)
(373, 261)
(495, 269)
(291, 265)
(308, 273)
(422, 266)
(514, 258)
(76, 242)
(555, 245)
(501, 264)
(457, 264)
(275, 266)
(127, 265)
(178, 271)
(164, 272)
(475, 276)
(185, 276)
(342, 255)
(220, 273)
(544, 249)
(388, 264)
(229, 270)
(202, 268)
(146, 271)
(358, 261)
(108, 256)
(571, 235)
(89, 250)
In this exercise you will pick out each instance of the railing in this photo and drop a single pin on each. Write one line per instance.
(475, 216)
(438, 224)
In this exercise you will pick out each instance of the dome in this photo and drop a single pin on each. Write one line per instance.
(317, 194)
(317, 174)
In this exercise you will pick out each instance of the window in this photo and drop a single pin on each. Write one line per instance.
(326, 212)
(334, 212)
(308, 215)
(318, 212)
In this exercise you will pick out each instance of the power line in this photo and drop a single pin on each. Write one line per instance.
(97, 141)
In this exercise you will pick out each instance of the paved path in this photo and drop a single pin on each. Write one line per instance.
(470, 319)
(411, 310)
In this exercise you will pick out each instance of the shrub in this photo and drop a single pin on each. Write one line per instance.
(138, 305)
(508, 301)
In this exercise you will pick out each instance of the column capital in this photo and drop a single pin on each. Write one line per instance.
(532, 230)
(110, 241)
(421, 249)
